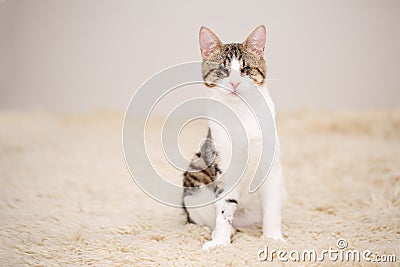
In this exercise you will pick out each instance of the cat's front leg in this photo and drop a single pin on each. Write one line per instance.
(272, 197)
(225, 210)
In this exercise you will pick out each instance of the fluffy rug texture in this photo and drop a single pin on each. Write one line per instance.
(66, 196)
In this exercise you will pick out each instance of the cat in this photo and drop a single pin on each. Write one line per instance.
(240, 67)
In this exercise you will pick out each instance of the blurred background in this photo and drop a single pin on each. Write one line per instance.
(75, 55)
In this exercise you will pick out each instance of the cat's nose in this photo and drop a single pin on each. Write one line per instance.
(235, 85)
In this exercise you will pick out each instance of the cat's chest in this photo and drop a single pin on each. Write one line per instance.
(241, 125)
(243, 133)
(225, 142)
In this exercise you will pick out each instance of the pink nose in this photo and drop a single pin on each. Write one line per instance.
(235, 85)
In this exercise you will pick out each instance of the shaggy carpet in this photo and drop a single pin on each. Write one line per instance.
(66, 197)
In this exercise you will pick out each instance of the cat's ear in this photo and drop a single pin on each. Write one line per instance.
(209, 42)
(256, 41)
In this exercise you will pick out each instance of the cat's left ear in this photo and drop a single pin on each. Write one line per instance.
(256, 41)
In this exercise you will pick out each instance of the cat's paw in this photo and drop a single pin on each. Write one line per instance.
(274, 236)
(216, 243)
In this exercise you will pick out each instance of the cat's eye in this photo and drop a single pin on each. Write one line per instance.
(222, 72)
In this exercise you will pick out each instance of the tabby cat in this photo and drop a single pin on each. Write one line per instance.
(240, 67)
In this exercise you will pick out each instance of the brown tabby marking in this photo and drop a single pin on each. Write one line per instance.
(217, 67)
(199, 173)
(203, 170)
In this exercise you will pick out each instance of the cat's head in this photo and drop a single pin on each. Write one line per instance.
(237, 66)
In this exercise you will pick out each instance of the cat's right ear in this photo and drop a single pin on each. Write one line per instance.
(209, 42)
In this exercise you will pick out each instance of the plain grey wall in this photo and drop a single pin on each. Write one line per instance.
(74, 55)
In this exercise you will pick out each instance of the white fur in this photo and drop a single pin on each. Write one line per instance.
(235, 65)
(265, 205)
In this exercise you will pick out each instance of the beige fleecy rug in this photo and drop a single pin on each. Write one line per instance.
(66, 197)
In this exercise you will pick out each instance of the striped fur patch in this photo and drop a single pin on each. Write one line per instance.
(218, 66)
(203, 170)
